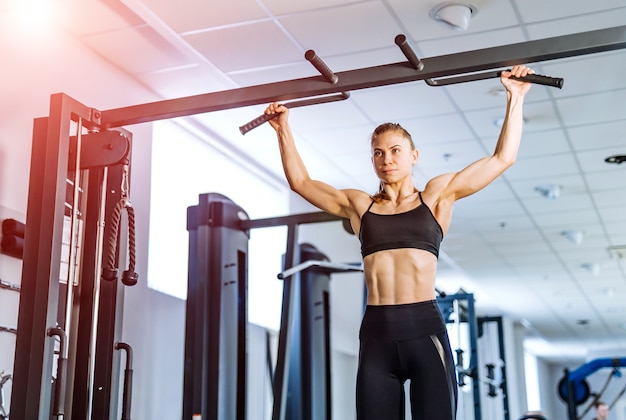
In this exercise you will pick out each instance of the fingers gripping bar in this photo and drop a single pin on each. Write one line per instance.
(540, 80)
(263, 118)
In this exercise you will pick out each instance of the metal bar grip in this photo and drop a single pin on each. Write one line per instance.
(321, 66)
(128, 380)
(263, 118)
(58, 404)
(408, 52)
(532, 78)
(541, 80)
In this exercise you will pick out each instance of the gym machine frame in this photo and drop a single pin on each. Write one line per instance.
(449, 304)
(39, 303)
(69, 175)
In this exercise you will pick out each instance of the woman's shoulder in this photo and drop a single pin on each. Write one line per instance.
(359, 200)
(435, 189)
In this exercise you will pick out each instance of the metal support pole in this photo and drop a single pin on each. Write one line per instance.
(282, 361)
(31, 396)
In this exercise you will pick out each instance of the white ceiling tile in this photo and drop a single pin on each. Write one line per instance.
(613, 214)
(594, 108)
(560, 206)
(344, 140)
(611, 198)
(258, 44)
(605, 181)
(470, 42)
(273, 73)
(325, 117)
(191, 15)
(576, 218)
(570, 184)
(83, 17)
(185, 81)
(364, 59)
(538, 10)
(371, 27)
(539, 116)
(137, 50)
(538, 143)
(543, 168)
(487, 93)
(592, 73)
(398, 103)
(279, 7)
(602, 135)
(498, 210)
(584, 22)
(451, 156)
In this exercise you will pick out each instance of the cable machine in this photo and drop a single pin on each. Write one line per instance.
(65, 361)
(574, 389)
(91, 319)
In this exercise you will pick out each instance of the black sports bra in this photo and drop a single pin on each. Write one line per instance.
(416, 228)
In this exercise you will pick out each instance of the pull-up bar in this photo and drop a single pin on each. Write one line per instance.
(583, 43)
(418, 66)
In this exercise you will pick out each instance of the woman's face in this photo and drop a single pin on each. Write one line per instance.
(392, 156)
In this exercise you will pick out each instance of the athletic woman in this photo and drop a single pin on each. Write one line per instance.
(402, 334)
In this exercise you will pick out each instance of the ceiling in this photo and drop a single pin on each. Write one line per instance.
(506, 244)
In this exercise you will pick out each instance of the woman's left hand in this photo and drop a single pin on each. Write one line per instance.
(516, 86)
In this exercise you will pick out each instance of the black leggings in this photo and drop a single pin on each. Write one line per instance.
(400, 342)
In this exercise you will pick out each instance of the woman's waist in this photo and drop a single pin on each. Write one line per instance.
(402, 321)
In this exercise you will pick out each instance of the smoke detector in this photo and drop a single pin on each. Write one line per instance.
(455, 14)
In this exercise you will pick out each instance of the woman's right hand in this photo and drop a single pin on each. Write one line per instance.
(283, 115)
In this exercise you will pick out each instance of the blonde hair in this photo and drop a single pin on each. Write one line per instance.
(383, 128)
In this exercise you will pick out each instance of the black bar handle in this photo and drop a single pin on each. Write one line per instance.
(408, 52)
(263, 118)
(128, 380)
(321, 66)
(531, 78)
(540, 80)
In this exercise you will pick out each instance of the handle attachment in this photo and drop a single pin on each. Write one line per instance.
(263, 118)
